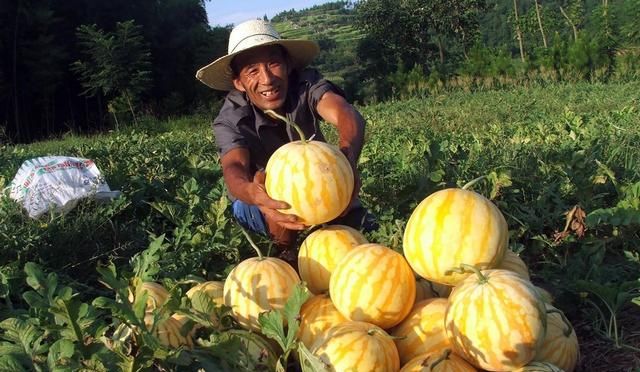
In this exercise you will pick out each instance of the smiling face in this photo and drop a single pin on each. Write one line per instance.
(263, 74)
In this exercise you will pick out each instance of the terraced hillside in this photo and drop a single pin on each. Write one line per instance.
(332, 26)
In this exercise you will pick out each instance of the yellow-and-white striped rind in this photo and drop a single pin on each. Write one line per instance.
(357, 346)
(314, 178)
(422, 331)
(513, 262)
(423, 363)
(559, 348)
(257, 285)
(451, 227)
(321, 251)
(498, 324)
(317, 315)
(373, 283)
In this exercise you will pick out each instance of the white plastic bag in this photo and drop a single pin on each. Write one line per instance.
(57, 182)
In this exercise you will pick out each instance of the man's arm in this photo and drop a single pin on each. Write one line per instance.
(250, 188)
(334, 109)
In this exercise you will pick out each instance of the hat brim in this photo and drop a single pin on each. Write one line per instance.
(218, 74)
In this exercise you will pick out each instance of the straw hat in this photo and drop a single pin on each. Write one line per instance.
(251, 34)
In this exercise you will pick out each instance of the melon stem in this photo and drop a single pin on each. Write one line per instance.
(255, 247)
(473, 182)
(442, 358)
(466, 268)
(274, 114)
(567, 331)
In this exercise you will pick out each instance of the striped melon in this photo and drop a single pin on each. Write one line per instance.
(258, 284)
(438, 361)
(560, 346)
(511, 261)
(168, 331)
(214, 290)
(422, 331)
(157, 295)
(373, 283)
(546, 296)
(317, 315)
(451, 227)
(357, 346)
(313, 177)
(539, 367)
(495, 320)
(321, 251)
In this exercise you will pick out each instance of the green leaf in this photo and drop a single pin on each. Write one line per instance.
(60, 354)
(118, 310)
(272, 326)
(272, 322)
(310, 362)
(292, 311)
(146, 263)
(68, 312)
(203, 303)
(11, 363)
(35, 277)
(26, 335)
(109, 277)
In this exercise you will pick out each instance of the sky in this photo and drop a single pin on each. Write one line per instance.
(224, 12)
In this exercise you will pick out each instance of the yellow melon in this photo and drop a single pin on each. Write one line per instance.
(451, 227)
(373, 283)
(321, 251)
(422, 331)
(357, 346)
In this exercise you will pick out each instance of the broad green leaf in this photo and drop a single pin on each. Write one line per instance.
(60, 354)
(24, 334)
(291, 311)
(272, 326)
(109, 277)
(12, 363)
(308, 361)
(146, 263)
(272, 322)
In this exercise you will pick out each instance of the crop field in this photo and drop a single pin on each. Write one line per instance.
(561, 162)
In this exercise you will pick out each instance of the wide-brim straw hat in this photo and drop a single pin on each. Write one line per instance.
(248, 35)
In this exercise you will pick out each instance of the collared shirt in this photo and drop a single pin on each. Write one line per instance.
(241, 125)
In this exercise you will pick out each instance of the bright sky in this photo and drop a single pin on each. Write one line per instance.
(224, 12)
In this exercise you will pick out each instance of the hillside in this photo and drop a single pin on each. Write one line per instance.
(332, 26)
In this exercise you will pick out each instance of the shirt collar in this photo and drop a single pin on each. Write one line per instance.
(247, 109)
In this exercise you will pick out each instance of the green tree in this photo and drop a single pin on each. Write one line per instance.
(115, 64)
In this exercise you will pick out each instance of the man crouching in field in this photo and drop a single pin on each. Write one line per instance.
(263, 71)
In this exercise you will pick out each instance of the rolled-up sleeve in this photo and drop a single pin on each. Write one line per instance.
(227, 137)
(318, 87)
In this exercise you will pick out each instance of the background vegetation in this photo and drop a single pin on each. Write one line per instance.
(83, 66)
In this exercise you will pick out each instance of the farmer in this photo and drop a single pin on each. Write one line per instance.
(263, 71)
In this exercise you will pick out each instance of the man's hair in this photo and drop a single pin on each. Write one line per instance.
(235, 69)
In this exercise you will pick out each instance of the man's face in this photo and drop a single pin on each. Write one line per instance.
(263, 75)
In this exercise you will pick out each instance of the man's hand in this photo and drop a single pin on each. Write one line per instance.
(269, 207)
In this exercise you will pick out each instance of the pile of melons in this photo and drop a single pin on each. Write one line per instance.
(472, 306)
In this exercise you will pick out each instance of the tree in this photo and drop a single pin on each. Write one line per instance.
(116, 64)
(427, 26)
(519, 34)
(574, 15)
(539, 17)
